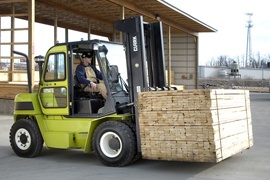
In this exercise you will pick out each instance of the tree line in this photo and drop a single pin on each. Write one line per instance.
(257, 61)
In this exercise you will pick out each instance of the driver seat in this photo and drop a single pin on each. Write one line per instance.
(79, 88)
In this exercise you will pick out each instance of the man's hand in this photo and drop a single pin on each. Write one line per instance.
(93, 85)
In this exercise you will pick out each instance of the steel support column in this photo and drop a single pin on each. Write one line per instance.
(66, 34)
(169, 57)
(89, 29)
(55, 25)
(197, 62)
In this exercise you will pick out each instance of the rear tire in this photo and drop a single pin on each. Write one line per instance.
(114, 143)
(25, 138)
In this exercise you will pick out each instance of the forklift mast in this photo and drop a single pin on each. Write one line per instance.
(144, 53)
(155, 54)
(145, 59)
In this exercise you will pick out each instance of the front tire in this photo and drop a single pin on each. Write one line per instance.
(138, 155)
(114, 143)
(25, 138)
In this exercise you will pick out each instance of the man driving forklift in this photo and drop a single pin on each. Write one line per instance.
(88, 74)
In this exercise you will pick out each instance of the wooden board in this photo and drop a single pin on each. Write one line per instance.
(9, 91)
(194, 125)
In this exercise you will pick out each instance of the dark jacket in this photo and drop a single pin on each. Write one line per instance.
(81, 75)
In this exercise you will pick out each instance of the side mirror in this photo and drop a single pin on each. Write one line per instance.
(114, 73)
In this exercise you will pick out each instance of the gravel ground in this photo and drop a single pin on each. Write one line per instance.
(235, 83)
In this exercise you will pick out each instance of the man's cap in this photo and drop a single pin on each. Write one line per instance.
(87, 55)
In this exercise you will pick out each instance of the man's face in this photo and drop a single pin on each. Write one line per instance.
(86, 61)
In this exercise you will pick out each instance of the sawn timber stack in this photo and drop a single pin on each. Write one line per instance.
(194, 125)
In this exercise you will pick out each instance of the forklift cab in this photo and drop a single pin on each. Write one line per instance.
(108, 58)
(60, 92)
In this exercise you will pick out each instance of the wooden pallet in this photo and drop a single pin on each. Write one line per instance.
(194, 125)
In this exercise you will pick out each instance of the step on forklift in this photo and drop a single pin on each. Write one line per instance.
(63, 116)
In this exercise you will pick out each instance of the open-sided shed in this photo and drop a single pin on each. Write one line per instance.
(97, 17)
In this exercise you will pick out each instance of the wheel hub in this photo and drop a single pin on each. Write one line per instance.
(22, 139)
(111, 144)
(114, 143)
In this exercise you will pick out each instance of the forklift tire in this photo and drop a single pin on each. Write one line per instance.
(138, 155)
(114, 143)
(25, 138)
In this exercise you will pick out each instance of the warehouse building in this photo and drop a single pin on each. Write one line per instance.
(95, 17)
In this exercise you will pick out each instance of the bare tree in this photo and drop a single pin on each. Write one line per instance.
(211, 62)
(258, 61)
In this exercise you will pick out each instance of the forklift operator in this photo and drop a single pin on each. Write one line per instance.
(90, 75)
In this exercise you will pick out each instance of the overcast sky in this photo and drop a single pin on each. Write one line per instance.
(229, 18)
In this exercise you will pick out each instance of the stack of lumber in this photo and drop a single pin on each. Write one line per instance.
(9, 91)
(194, 125)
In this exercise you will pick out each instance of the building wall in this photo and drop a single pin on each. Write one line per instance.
(183, 59)
(214, 72)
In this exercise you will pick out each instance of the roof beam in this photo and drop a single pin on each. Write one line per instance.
(14, 15)
(12, 1)
(71, 26)
(132, 6)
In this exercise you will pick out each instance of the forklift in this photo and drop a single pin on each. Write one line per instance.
(63, 116)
